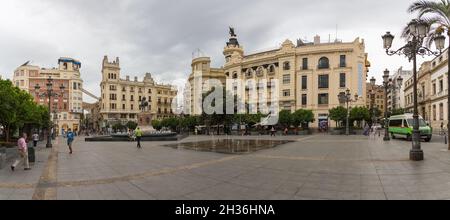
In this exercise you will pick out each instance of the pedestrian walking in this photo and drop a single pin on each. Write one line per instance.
(35, 139)
(23, 154)
(70, 139)
(138, 134)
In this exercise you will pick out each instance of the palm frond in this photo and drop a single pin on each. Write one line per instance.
(426, 7)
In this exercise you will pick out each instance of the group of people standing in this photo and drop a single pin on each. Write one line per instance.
(22, 147)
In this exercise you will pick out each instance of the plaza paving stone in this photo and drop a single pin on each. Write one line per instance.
(318, 167)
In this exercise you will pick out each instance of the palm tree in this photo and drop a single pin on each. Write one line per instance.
(437, 15)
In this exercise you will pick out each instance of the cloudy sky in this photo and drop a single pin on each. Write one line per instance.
(159, 36)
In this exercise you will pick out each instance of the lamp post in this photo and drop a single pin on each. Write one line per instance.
(49, 93)
(418, 31)
(389, 84)
(346, 97)
(373, 96)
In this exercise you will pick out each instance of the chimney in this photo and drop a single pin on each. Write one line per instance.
(317, 39)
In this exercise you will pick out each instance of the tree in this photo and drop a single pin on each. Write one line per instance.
(359, 114)
(132, 125)
(285, 118)
(376, 115)
(157, 125)
(171, 123)
(219, 119)
(339, 115)
(17, 109)
(302, 118)
(399, 111)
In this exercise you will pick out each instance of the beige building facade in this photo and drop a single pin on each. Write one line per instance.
(378, 101)
(308, 75)
(121, 98)
(66, 109)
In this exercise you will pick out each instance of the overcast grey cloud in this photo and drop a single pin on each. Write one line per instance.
(159, 36)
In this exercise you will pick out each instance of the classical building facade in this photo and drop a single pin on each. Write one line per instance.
(67, 109)
(439, 91)
(396, 96)
(378, 100)
(121, 98)
(424, 92)
(309, 75)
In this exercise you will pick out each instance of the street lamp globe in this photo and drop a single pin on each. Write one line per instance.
(413, 26)
(440, 42)
(422, 28)
(37, 87)
(388, 38)
(373, 81)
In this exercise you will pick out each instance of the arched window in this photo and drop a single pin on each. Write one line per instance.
(235, 75)
(324, 63)
(260, 71)
(249, 73)
(271, 69)
(286, 66)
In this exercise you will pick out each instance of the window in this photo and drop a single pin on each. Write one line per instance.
(75, 86)
(434, 89)
(132, 107)
(286, 79)
(434, 113)
(304, 82)
(123, 106)
(441, 86)
(324, 63)
(305, 64)
(132, 98)
(323, 99)
(342, 80)
(323, 82)
(395, 123)
(304, 99)
(286, 66)
(150, 91)
(343, 62)
(235, 75)
(286, 93)
(441, 112)
(271, 69)
(123, 98)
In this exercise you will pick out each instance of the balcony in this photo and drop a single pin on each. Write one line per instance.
(440, 95)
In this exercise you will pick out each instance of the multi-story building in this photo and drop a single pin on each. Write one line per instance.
(424, 94)
(396, 95)
(310, 75)
(66, 109)
(439, 91)
(121, 98)
(379, 98)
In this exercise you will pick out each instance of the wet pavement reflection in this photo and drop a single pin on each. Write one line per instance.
(229, 146)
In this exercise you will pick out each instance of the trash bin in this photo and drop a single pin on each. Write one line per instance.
(31, 154)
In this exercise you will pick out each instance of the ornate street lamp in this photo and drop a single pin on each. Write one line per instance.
(418, 30)
(389, 84)
(49, 93)
(346, 97)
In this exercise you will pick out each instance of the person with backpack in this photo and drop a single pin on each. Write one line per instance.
(70, 139)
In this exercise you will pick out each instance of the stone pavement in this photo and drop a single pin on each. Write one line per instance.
(312, 167)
